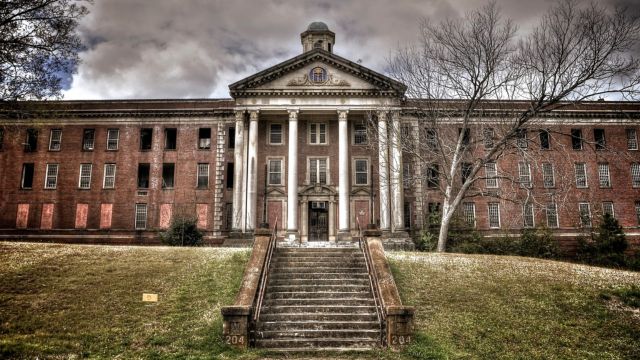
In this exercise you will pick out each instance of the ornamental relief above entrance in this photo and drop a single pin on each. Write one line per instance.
(318, 76)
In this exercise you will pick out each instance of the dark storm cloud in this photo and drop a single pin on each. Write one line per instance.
(195, 48)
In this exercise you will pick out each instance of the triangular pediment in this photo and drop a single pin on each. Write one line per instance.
(317, 72)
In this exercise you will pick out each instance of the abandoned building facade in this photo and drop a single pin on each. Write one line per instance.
(293, 148)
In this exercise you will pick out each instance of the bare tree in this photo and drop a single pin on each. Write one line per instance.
(38, 45)
(574, 54)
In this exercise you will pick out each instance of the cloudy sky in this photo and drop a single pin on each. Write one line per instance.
(196, 48)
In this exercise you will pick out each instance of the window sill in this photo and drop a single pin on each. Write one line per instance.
(170, 149)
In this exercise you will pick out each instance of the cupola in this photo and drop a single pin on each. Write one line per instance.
(317, 36)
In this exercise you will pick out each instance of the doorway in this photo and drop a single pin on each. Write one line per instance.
(318, 221)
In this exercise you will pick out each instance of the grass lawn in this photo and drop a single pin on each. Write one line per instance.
(74, 301)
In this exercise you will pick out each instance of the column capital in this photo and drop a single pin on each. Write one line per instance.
(253, 114)
(293, 114)
(342, 114)
(395, 114)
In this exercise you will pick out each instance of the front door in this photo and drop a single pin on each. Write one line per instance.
(318, 221)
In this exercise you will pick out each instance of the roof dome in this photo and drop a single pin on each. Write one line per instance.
(318, 26)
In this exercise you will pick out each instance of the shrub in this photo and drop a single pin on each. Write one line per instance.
(606, 246)
(427, 241)
(182, 232)
(538, 243)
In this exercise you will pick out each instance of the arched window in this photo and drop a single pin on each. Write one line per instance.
(318, 75)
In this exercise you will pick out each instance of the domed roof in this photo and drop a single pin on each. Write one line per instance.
(318, 26)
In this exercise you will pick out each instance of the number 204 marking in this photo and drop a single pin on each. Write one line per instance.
(400, 339)
(234, 339)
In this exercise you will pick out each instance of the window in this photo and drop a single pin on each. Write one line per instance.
(361, 172)
(318, 171)
(527, 215)
(598, 136)
(469, 213)
(88, 139)
(635, 175)
(434, 213)
(406, 174)
(545, 143)
(203, 176)
(491, 174)
(168, 175)
(170, 138)
(146, 138)
(1, 138)
(275, 171)
(359, 133)
(465, 171)
(405, 132)
(31, 143)
(603, 175)
(433, 176)
(552, 215)
(84, 180)
(141, 216)
(521, 139)
(524, 174)
(581, 175)
(407, 215)
(487, 138)
(275, 134)
(494, 215)
(607, 208)
(638, 212)
(143, 176)
(317, 134)
(109, 181)
(232, 137)
(55, 140)
(576, 139)
(466, 136)
(548, 176)
(585, 214)
(230, 174)
(113, 136)
(632, 139)
(204, 138)
(432, 139)
(27, 176)
(51, 177)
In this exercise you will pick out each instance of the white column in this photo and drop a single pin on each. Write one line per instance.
(395, 170)
(238, 185)
(383, 156)
(245, 175)
(343, 172)
(292, 179)
(252, 168)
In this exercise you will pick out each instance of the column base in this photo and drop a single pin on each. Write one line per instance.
(292, 236)
(343, 235)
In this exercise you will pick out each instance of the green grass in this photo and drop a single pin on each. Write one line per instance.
(72, 301)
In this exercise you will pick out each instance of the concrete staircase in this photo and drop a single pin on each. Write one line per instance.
(318, 299)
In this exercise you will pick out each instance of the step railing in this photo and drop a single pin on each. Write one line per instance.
(264, 277)
(373, 283)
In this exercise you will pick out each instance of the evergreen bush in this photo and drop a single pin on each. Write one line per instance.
(182, 232)
(606, 246)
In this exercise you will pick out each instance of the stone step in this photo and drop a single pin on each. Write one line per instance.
(318, 334)
(316, 255)
(319, 276)
(318, 288)
(307, 282)
(363, 301)
(333, 269)
(297, 344)
(317, 317)
(354, 309)
(318, 295)
(317, 325)
(318, 261)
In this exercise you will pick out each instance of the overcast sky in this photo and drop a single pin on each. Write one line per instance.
(195, 48)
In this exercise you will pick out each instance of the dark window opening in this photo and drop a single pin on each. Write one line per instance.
(598, 135)
(434, 213)
(204, 138)
(465, 171)
(232, 138)
(146, 138)
(576, 139)
(466, 136)
(521, 138)
(27, 176)
(329, 47)
(88, 139)
(1, 138)
(230, 170)
(433, 176)
(545, 143)
(143, 176)
(168, 172)
(407, 215)
(31, 144)
(432, 139)
(170, 138)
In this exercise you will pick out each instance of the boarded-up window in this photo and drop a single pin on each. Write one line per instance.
(202, 210)
(106, 211)
(82, 210)
(46, 219)
(22, 217)
(165, 216)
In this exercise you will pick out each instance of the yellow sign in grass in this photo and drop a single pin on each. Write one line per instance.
(150, 297)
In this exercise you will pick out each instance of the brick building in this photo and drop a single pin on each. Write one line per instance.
(292, 147)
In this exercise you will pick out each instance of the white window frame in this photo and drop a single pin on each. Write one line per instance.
(113, 140)
(548, 173)
(583, 166)
(84, 176)
(355, 172)
(637, 206)
(491, 175)
(57, 140)
(487, 138)
(586, 207)
(632, 139)
(469, 212)
(497, 211)
(328, 169)
(271, 125)
(524, 174)
(353, 132)
(140, 216)
(525, 214)
(112, 177)
(269, 172)
(607, 204)
(198, 175)
(554, 207)
(314, 139)
(51, 173)
(635, 175)
(522, 142)
(604, 175)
